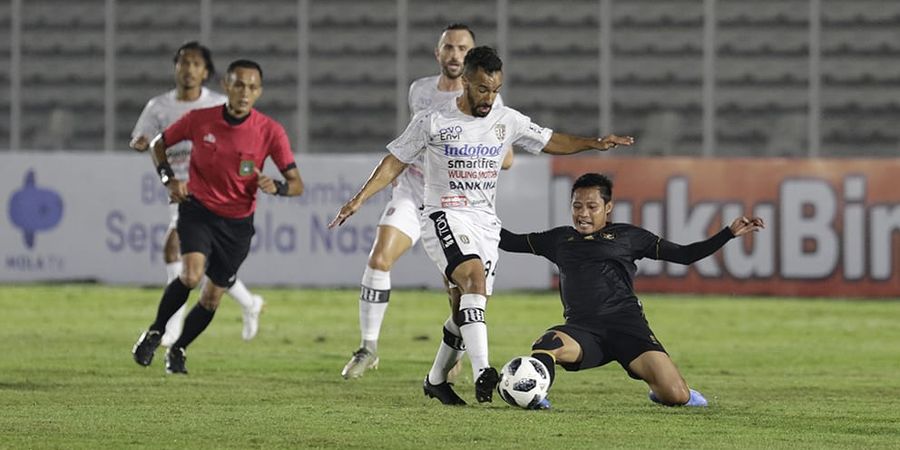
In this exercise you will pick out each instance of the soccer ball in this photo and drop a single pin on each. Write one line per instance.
(524, 382)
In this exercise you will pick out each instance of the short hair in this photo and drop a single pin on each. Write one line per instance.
(246, 64)
(601, 182)
(207, 55)
(459, 26)
(483, 57)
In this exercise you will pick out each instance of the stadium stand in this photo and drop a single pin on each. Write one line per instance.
(552, 69)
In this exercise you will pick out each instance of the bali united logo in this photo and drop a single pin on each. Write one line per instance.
(500, 131)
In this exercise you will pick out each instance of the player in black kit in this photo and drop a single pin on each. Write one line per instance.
(604, 319)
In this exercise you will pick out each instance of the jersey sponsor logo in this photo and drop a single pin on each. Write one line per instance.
(209, 138)
(453, 201)
(500, 131)
(473, 150)
(450, 133)
(246, 168)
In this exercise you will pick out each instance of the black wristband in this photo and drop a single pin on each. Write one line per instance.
(165, 172)
(281, 188)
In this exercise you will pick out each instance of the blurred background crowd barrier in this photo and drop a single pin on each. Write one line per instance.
(795, 78)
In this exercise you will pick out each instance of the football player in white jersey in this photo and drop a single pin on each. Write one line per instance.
(464, 142)
(399, 229)
(193, 66)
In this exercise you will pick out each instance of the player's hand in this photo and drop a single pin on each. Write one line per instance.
(346, 211)
(743, 225)
(178, 191)
(613, 141)
(140, 143)
(265, 183)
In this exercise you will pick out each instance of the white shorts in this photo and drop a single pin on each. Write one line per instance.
(452, 236)
(173, 216)
(403, 212)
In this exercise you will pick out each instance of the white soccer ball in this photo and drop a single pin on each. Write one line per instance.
(524, 382)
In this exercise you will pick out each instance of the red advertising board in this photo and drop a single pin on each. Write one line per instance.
(833, 225)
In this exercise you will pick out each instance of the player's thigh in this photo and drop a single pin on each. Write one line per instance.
(564, 348)
(390, 244)
(231, 245)
(453, 239)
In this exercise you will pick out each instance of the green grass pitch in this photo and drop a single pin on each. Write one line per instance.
(778, 372)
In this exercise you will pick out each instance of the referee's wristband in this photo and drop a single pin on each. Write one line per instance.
(281, 188)
(165, 172)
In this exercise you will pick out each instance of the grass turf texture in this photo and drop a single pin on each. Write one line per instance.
(778, 373)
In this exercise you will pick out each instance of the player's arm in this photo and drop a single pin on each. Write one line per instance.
(566, 144)
(688, 254)
(177, 189)
(507, 160)
(292, 185)
(145, 128)
(386, 171)
(542, 244)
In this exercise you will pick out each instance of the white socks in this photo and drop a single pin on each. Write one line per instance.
(373, 302)
(474, 331)
(241, 294)
(449, 353)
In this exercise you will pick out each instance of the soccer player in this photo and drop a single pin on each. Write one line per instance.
(230, 145)
(604, 319)
(193, 66)
(399, 228)
(464, 141)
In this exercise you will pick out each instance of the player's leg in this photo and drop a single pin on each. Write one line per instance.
(469, 277)
(229, 241)
(449, 352)
(667, 386)
(398, 230)
(174, 297)
(555, 347)
(196, 321)
(172, 258)
(453, 296)
(251, 306)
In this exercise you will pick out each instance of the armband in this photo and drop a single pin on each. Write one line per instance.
(281, 188)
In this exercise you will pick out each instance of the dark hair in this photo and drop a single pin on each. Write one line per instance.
(460, 26)
(207, 56)
(483, 57)
(598, 181)
(246, 64)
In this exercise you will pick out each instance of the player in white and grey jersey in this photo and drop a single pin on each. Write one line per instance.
(193, 66)
(399, 228)
(464, 142)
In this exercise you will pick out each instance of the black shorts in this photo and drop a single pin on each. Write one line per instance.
(620, 337)
(224, 241)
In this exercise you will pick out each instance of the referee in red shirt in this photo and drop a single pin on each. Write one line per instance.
(230, 145)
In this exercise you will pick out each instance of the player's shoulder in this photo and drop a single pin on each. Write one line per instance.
(423, 83)
(161, 101)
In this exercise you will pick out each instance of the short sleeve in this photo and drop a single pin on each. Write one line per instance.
(409, 145)
(529, 136)
(147, 124)
(179, 131)
(280, 147)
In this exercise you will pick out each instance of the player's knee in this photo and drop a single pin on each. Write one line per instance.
(673, 393)
(190, 278)
(550, 342)
(380, 262)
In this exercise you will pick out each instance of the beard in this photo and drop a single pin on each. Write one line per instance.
(478, 109)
